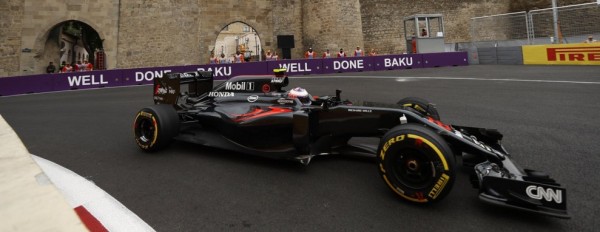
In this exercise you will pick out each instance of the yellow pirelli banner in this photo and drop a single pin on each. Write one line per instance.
(562, 54)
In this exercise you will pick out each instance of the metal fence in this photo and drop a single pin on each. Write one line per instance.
(576, 23)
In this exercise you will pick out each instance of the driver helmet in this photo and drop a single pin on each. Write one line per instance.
(300, 94)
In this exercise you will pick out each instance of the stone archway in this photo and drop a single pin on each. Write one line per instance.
(70, 41)
(238, 36)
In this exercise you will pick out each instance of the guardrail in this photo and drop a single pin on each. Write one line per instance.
(141, 76)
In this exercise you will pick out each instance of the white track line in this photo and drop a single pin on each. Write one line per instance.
(450, 78)
(81, 192)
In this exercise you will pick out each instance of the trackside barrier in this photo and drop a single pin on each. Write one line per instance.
(562, 54)
(141, 76)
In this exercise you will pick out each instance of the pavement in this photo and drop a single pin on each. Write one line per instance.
(548, 115)
(29, 201)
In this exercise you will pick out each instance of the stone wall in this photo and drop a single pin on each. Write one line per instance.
(11, 16)
(332, 24)
(383, 20)
(287, 20)
(158, 33)
(215, 15)
(39, 18)
(145, 33)
(527, 5)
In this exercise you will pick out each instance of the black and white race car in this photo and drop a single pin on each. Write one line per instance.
(415, 156)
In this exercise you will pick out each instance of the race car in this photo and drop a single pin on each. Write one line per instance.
(416, 154)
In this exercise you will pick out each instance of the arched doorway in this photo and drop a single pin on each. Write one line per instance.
(238, 36)
(74, 42)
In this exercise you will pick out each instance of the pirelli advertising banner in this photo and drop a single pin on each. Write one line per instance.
(562, 54)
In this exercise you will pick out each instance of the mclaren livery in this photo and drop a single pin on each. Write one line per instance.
(415, 156)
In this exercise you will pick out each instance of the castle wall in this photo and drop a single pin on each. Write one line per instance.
(215, 15)
(40, 17)
(383, 20)
(181, 32)
(332, 24)
(287, 20)
(11, 18)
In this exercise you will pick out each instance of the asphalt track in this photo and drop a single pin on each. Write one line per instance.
(550, 123)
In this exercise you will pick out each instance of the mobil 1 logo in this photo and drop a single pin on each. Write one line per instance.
(239, 86)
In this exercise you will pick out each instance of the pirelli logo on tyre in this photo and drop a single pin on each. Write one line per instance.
(415, 165)
(439, 185)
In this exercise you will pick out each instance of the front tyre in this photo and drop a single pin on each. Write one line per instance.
(154, 127)
(416, 163)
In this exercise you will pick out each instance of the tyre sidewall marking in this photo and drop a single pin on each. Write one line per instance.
(435, 148)
(137, 139)
(439, 184)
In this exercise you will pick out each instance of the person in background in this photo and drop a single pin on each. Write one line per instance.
(372, 52)
(67, 68)
(423, 32)
(358, 52)
(74, 67)
(62, 65)
(238, 57)
(326, 54)
(88, 66)
(310, 54)
(341, 53)
(213, 59)
(269, 55)
(223, 59)
(51, 68)
(590, 39)
(81, 67)
(275, 56)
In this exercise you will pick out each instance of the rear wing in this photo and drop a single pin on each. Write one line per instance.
(172, 86)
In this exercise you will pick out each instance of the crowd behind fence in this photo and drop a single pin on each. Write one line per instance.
(575, 23)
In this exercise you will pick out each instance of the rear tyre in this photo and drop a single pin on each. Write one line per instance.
(416, 163)
(419, 104)
(154, 127)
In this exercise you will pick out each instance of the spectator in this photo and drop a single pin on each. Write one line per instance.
(309, 54)
(67, 68)
(326, 54)
(81, 67)
(213, 59)
(423, 32)
(372, 53)
(62, 65)
(358, 52)
(341, 53)
(51, 68)
(269, 55)
(223, 59)
(88, 66)
(238, 57)
(275, 56)
(74, 67)
(590, 39)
